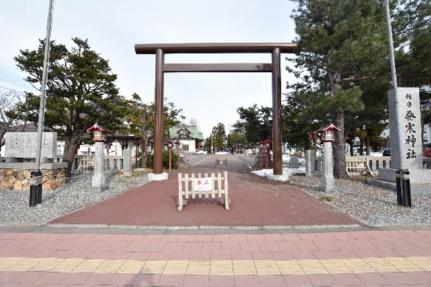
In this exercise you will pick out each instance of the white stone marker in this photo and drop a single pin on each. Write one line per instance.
(405, 129)
(127, 161)
(98, 180)
(310, 162)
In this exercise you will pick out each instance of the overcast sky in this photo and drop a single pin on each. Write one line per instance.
(114, 27)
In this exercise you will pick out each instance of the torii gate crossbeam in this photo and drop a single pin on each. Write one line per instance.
(274, 67)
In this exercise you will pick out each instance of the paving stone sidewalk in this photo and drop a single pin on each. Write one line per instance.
(348, 258)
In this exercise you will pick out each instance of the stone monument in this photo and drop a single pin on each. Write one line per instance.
(310, 162)
(22, 145)
(294, 162)
(406, 141)
(20, 160)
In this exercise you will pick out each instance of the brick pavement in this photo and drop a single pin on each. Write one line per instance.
(255, 201)
(349, 258)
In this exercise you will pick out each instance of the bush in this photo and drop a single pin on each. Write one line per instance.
(165, 160)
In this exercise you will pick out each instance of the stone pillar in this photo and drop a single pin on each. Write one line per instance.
(405, 129)
(310, 162)
(327, 181)
(127, 161)
(98, 180)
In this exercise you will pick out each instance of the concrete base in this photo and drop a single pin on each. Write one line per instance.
(98, 181)
(158, 176)
(32, 165)
(417, 176)
(327, 183)
(420, 180)
(415, 188)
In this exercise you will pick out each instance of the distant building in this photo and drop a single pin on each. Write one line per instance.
(189, 137)
(426, 107)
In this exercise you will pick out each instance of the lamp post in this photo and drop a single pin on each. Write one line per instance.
(36, 177)
(327, 136)
(99, 138)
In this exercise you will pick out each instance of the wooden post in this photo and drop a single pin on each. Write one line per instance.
(180, 192)
(267, 155)
(158, 119)
(226, 192)
(170, 159)
(276, 112)
(261, 155)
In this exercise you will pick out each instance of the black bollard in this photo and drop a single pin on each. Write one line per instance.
(35, 188)
(406, 193)
(399, 187)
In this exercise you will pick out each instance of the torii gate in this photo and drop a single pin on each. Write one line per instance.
(161, 49)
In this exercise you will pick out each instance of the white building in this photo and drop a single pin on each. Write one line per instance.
(189, 137)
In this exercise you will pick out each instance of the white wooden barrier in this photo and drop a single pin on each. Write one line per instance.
(360, 165)
(191, 186)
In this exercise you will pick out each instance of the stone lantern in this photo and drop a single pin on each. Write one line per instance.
(170, 145)
(99, 138)
(327, 136)
(177, 146)
(267, 143)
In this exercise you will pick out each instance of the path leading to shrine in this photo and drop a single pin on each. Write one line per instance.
(255, 201)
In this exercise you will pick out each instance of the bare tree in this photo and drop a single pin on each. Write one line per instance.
(9, 98)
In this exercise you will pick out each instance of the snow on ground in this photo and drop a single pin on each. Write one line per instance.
(287, 172)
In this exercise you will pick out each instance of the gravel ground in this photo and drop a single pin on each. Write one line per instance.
(14, 207)
(374, 206)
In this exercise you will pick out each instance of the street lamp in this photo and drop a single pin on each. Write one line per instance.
(36, 175)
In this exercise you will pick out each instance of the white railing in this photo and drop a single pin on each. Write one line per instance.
(85, 163)
(357, 165)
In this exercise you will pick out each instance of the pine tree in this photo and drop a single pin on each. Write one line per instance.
(342, 43)
(81, 91)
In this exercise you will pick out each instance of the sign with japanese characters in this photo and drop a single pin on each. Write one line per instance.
(23, 144)
(202, 184)
(406, 129)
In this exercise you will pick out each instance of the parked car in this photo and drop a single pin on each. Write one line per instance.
(387, 152)
(427, 150)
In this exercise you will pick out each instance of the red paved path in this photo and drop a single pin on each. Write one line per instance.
(254, 201)
(354, 245)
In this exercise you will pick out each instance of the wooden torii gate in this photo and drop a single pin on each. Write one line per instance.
(161, 67)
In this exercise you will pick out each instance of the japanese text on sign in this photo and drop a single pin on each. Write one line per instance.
(410, 139)
(202, 184)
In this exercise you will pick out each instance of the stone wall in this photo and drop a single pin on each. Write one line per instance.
(19, 179)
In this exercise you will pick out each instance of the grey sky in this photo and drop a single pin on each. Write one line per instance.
(113, 27)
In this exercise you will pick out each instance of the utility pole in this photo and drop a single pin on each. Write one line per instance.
(36, 176)
(391, 46)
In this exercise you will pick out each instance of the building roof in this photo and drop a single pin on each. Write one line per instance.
(183, 131)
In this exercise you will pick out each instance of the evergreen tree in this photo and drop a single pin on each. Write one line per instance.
(81, 91)
(140, 118)
(255, 123)
(342, 43)
(219, 137)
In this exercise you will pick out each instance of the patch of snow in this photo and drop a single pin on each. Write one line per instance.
(287, 172)
(222, 152)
